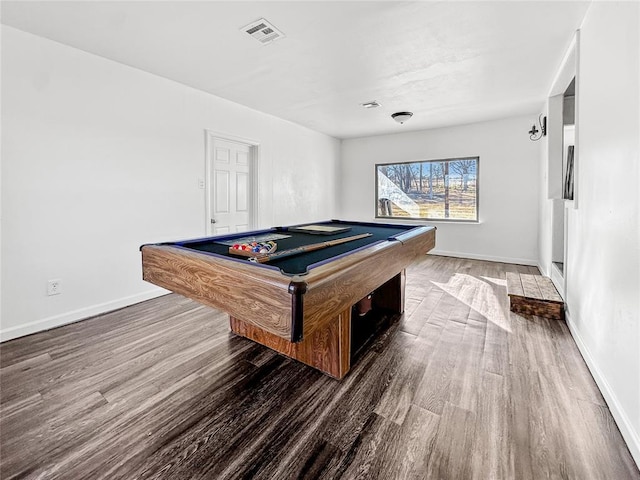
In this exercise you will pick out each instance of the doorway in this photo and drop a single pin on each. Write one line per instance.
(563, 163)
(230, 184)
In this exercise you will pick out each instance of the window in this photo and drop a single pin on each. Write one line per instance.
(429, 190)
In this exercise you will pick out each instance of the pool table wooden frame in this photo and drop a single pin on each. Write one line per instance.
(306, 317)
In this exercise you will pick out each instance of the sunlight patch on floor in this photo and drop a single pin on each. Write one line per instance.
(485, 295)
(497, 281)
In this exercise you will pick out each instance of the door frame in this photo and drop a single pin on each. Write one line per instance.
(210, 137)
(569, 69)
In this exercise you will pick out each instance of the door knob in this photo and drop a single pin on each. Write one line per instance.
(213, 220)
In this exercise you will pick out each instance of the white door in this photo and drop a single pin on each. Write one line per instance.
(229, 187)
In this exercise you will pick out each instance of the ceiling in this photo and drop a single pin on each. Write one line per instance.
(448, 62)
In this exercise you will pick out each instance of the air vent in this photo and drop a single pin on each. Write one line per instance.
(263, 31)
(371, 104)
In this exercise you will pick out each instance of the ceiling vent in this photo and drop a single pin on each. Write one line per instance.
(263, 31)
(371, 104)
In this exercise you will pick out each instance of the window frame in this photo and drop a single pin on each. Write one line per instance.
(439, 160)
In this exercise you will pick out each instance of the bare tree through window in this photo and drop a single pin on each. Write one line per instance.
(429, 189)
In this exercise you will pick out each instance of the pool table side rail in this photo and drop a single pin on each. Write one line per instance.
(224, 284)
(335, 286)
(213, 238)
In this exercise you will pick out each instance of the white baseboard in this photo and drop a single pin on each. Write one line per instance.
(557, 278)
(489, 258)
(631, 437)
(75, 315)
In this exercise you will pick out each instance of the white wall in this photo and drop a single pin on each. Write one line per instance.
(508, 214)
(603, 232)
(99, 158)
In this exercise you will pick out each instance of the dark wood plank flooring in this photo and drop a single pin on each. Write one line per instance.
(459, 388)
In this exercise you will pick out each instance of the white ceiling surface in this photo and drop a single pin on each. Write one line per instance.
(448, 62)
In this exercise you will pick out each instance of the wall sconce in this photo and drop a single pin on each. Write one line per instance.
(533, 133)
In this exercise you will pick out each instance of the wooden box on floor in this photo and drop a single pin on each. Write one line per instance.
(534, 295)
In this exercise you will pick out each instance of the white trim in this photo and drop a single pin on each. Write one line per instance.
(208, 141)
(489, 258)
(564, 72)
(576, 134)
(427, 222)
(631, 437)
(255, 186)
(231, 138)
(555, 148)
(80, 314)
(254, 155)
(569, 68)
(558, 278)
(563, 276)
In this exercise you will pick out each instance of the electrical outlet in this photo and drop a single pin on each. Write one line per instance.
(54, 287)
(201, 183)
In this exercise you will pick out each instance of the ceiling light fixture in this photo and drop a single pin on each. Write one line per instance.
(371, 104)
(401, 117)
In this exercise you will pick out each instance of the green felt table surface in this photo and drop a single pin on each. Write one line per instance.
(299, 264)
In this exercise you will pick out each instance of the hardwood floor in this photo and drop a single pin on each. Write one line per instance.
(459, 388)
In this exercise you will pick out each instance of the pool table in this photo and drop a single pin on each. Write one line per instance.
(300, 305)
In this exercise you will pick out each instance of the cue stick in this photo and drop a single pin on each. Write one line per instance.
(306, 248)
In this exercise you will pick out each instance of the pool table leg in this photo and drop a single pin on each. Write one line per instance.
(328, 348)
